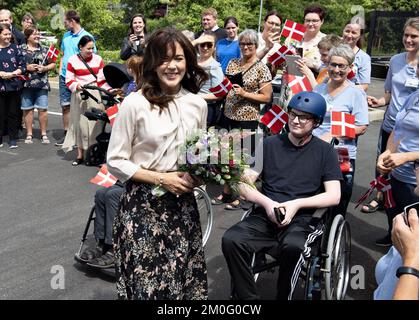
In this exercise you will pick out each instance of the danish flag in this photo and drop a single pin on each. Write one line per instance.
(343, 124)
(292, 30)
(53, 53)
(112, 112)
(351, 74)
(222, 89)
(344, 160)
(275, 119)
(381, 184)
(298, 84)
(104, 178)
(384, 186)
(278, 57)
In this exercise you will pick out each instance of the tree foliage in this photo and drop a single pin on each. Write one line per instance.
(108, 19)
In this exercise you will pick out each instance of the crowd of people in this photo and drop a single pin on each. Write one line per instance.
(156, 241)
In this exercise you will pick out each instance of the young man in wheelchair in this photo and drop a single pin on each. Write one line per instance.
(299, 173)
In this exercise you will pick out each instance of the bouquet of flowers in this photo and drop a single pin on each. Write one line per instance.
(214, 157)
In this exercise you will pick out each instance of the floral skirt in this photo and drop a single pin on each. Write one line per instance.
(158, 246)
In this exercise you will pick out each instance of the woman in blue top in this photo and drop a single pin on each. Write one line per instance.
(342, 96)
(400, 82)
(398, 158)
(228, 48)
(11, 66)
(206, 48)
(353, 35)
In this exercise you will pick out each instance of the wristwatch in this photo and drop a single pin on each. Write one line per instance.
(407, 270)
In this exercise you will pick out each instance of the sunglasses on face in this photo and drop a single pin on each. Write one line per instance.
(206, 44)
(302, 118)
(243, 44)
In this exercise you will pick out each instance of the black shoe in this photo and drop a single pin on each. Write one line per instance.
(384, 242)
(60, 142)
(77, 162)
(103, 262)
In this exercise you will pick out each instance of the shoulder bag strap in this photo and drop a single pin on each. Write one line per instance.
(87, 66)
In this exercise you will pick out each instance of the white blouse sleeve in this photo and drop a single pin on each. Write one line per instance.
(120, 148)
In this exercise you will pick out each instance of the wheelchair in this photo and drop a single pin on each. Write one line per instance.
(205, 213)
(326, 272)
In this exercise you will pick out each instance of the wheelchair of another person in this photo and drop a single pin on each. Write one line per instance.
(326, 271)
(203, 202)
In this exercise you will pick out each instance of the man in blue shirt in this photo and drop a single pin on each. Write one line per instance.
(69, 47)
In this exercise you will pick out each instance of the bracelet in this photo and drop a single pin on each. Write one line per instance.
(161, 181)
(407, 270)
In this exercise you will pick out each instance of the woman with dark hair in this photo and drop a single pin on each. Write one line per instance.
(135, 41)
(11, 66)
(84, 68)
(313, 20)
(228, 48)
(269, 39)
(35, 91)
(157, 238)
(353, 34)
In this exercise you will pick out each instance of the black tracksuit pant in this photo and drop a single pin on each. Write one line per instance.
(256, 233)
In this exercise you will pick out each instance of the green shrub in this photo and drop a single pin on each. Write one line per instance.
(110, 56)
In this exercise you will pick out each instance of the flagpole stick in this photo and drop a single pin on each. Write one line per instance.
(260, 14)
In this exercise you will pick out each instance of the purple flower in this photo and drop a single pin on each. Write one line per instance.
(191, 158)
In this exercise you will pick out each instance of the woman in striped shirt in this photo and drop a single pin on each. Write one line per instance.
(84, 68)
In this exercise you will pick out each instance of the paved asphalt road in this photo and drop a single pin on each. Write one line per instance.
(44, 207)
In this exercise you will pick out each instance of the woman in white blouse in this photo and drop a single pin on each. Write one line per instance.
(157, 238)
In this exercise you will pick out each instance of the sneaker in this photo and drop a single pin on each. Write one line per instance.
(12, 144)
(104, 262)
(384, 242)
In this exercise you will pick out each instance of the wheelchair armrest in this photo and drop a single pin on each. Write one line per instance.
(319, 213)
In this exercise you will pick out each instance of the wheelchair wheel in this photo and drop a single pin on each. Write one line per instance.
(337, 261)
(95, 155)
(203, 202)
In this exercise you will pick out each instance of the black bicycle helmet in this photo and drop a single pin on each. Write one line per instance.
(309, 102)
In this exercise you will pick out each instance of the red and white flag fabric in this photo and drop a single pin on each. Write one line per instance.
(342, 124)
(298, 84)
(381, 184)
(344, 160)
(104, 178)
(278, 57)
(275, 119)
(351, 74)
(222, 89)
(384, 186)
(112, 113)
(53, 53)
(292, 30)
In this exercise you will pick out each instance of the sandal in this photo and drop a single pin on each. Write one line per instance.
(28, 139)
(371, 208)
(103, 262)
(235, 205)
(44, 139)
(77, 162)
(225, 198)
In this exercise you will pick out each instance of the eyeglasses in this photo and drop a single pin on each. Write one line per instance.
(243, 44)
(313, 21)
(302, 119)
(271, 23)
(206, 44)
(342, 67)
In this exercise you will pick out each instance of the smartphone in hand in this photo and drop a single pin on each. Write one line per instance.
(280, 217)
(407, 209)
